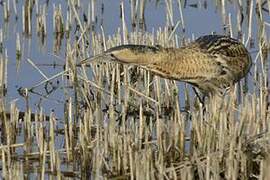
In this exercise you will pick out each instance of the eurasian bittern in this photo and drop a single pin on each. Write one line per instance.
(212, 63)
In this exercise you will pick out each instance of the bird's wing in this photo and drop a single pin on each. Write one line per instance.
(188, 64)
(234, 52)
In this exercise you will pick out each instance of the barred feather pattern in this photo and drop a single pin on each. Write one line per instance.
(212, 62)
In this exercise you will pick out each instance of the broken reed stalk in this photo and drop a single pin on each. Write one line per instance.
(93, 11)
(230, 25)
(239, 18)
(268, 5)
(249, 39)
(15, 9)
(142, 25)
(18, 47)
(41, 22)
(124, 27)
(27, 17)
(3, 74)
(58, 23)
(169, 10)
(6, 7)
(133, 14)
(223, 12)
(181, 15)
(1, 42)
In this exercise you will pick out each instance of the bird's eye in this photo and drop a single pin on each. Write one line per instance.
(112, 55)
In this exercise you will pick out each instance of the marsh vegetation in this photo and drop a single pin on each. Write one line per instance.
(105, 120)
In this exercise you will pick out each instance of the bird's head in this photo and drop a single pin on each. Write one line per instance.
(130, 53)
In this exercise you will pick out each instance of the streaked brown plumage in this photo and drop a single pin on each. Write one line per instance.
(212, 63)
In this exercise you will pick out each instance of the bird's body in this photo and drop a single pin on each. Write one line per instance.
(211, 63)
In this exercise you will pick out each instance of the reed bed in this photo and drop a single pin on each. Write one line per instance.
(122, 122)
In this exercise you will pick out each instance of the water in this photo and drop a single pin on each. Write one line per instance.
(201, 17)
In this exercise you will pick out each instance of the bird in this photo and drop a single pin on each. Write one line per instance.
(212, 63)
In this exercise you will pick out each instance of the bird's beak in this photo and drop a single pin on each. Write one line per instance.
(98, 58)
